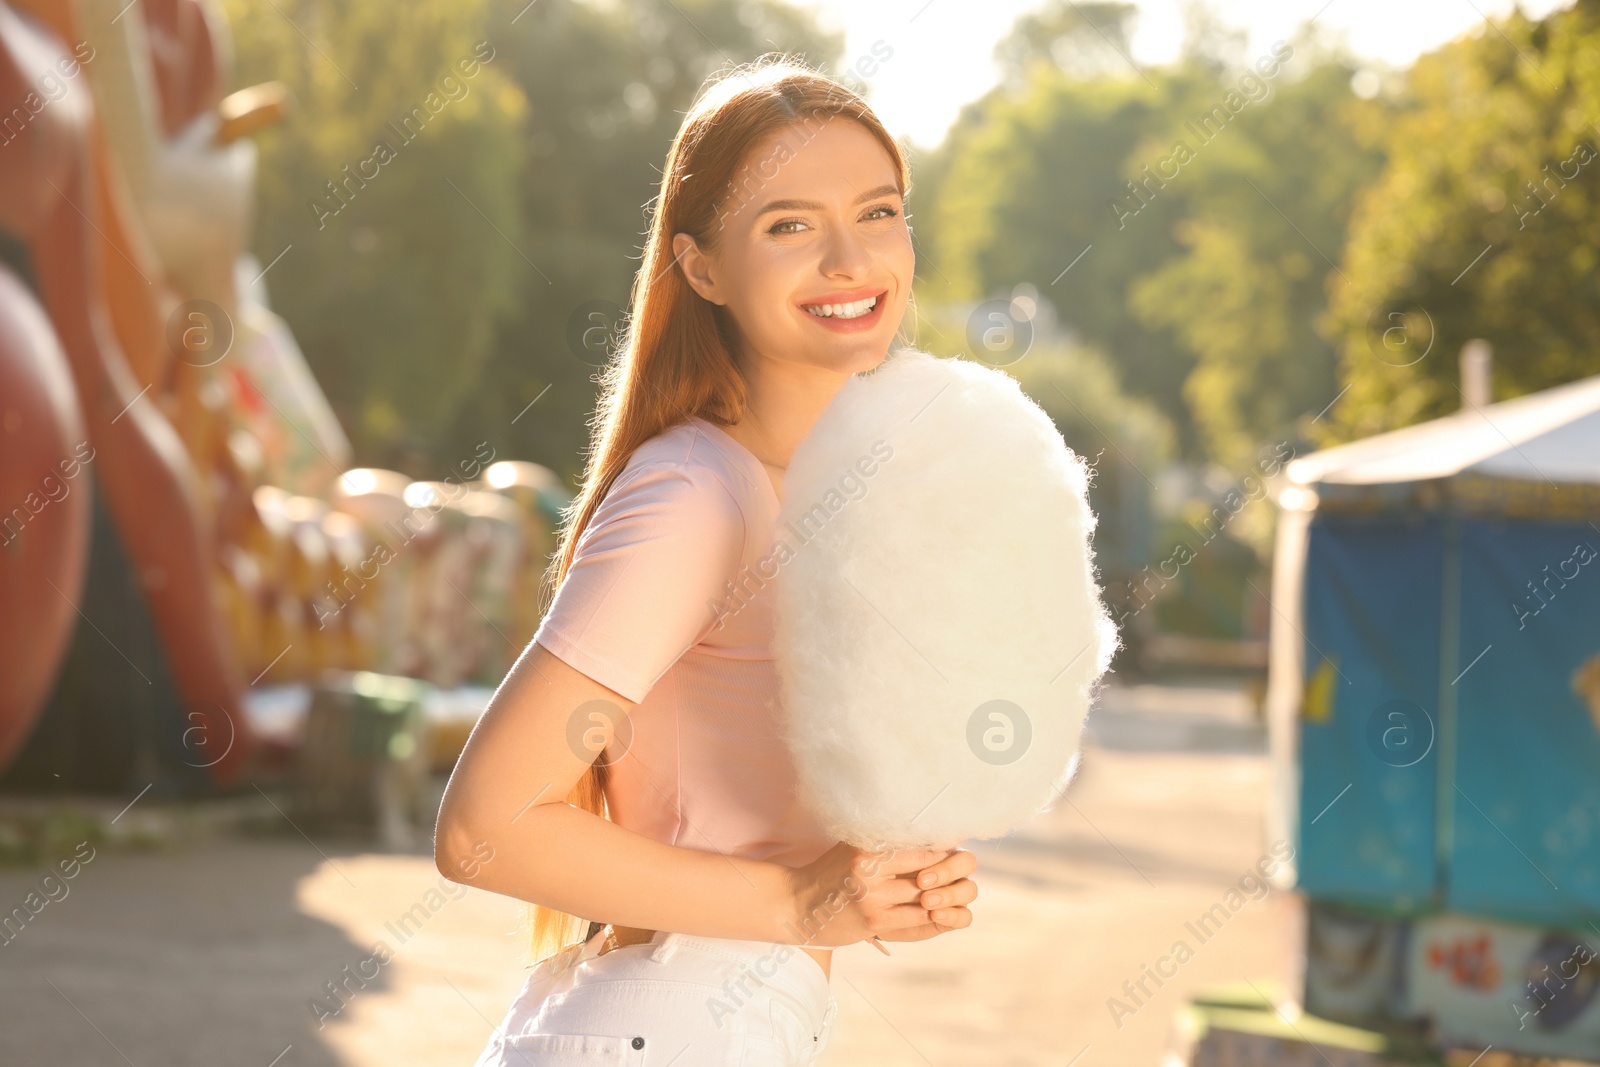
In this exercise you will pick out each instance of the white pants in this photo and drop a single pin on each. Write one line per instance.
(678, 1000)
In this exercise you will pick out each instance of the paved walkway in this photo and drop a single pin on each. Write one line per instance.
(214, 953)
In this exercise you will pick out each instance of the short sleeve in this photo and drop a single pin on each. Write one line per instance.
(648, 576)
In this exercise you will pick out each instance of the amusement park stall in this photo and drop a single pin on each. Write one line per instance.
(200, 587)
(1434, 705)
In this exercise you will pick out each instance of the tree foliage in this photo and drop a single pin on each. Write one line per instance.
(1267, 210)
(1485, 223)
(1025, 192)
(380, 192)
(1208, 200)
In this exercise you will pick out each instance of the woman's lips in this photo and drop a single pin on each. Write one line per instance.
(859, 324)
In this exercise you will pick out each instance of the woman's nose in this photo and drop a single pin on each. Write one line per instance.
(845, 254)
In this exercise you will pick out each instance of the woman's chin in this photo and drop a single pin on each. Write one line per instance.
(854, 355)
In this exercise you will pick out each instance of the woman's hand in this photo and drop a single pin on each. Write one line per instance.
(848, 894)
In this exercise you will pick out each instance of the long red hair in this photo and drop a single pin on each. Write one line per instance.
(675, 360)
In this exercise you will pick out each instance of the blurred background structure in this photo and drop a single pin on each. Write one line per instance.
(301, 307)
(226, 550)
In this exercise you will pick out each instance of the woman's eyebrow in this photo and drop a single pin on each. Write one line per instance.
(816, 205)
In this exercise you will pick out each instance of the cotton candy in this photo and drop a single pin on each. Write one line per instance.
(939, 630)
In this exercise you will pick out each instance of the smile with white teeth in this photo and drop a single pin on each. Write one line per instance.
(843, 311)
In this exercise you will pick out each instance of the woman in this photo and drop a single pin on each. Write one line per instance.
(778, 264)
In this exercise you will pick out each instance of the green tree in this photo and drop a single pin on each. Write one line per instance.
(1268, 202)
(1203, 270)
(1024, 193)
(1084, 39)
(1484, 223)
(381, 186)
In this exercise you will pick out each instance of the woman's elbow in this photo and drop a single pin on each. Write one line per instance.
(458, 853)
(459, 850)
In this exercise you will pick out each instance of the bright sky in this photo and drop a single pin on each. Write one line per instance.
(942, 48)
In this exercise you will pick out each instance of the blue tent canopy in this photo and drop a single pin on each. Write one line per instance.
(1434, 688)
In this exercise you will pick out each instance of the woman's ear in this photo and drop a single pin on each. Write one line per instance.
(696, 266)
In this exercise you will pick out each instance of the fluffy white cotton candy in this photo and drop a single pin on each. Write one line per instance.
(939, 629)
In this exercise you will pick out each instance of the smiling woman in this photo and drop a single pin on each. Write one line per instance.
(630, 769)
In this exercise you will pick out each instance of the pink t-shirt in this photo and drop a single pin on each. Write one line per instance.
(686, 532)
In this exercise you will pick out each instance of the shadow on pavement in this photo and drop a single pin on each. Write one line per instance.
(107, 974)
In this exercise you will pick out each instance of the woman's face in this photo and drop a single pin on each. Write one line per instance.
(812, 255)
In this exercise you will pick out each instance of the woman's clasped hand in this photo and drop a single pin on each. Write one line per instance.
(849, 894)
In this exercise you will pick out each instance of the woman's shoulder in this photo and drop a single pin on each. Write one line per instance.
(696, 452)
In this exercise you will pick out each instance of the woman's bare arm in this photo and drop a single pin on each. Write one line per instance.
(509, 791)
(505, 826)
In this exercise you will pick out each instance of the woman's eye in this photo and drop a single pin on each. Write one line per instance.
(882, 211)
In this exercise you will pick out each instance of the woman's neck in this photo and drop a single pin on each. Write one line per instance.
(784, 400)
